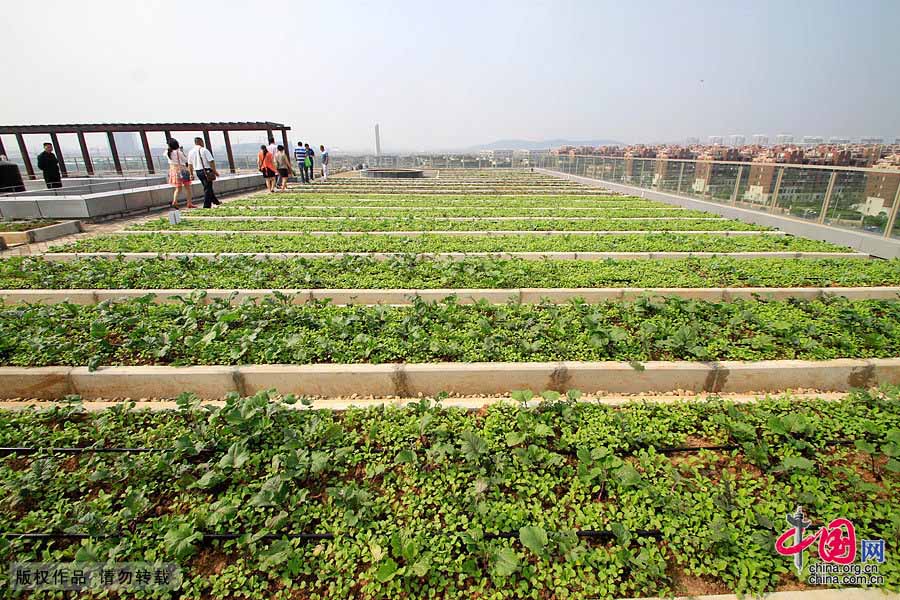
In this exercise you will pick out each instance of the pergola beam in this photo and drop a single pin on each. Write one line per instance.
(23, 150)
(228, 151)
(147, 155)
(59, 155)
(132, 127)
(80, 129)
(88, 165)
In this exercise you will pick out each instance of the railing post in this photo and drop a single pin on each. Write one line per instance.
(893, 218)
(59, 155)
(737, 184)
(776, 190)
(827, 200)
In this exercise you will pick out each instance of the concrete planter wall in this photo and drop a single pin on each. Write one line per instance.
(116, 202)
(409, 380)
(41, 234)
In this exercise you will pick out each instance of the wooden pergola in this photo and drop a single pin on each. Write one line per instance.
(140, 128)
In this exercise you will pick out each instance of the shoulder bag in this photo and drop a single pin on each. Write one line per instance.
(210, 174)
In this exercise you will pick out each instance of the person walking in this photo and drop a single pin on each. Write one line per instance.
(180, 173)
(310, 162)
(49, 165)
(204, 165)
(272, 147)
(300, 157)
(265, 162)
(283, 164)
(324, 155)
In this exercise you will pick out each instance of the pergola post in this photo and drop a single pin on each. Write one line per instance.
(147, 156)
(284, 140)
(167, 135)
(59, 155)
(25, 158)
(269, 135)
(115, 151)
(2, 149)
(206, 140)
(88, 165)
(228, 150)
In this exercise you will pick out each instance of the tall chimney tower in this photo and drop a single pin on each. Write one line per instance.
(377, 141)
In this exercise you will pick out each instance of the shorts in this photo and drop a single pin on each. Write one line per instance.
(267, 172)
(284, 172)
(176, 180)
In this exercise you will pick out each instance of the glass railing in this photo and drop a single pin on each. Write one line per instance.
(863, 200)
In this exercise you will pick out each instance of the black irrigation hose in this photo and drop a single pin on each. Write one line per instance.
(6, 451)
(505, 535)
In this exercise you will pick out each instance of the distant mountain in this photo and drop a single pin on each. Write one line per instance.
(540, 144)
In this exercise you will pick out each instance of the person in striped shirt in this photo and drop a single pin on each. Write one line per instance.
(300, 157)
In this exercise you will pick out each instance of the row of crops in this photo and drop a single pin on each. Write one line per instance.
(269, 497)
(257, 499)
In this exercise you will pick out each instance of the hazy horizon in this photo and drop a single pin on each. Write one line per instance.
(441, 76)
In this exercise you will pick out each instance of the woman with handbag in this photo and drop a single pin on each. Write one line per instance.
(285, 170)
(180, 173)
(265, 162)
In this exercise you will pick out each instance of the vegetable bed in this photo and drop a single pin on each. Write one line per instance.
(11, 226)
(410, 272)
(652, 242)
(438, 224)
(444, 200)
(617, 211)
(563, 500)
(274, 331)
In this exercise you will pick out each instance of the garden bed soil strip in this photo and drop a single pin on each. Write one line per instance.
(430, 379)
(404, 297)
(68, 256)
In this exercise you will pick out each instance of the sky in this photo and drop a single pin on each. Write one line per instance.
(443, 75)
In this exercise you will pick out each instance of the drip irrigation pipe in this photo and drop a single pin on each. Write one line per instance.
(16, 450)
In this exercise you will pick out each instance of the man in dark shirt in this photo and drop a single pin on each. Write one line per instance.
(311, 154)
(47, 162)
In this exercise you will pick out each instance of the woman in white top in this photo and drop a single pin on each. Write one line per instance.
(180, 173)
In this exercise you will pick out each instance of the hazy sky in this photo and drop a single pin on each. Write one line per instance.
(443, 74)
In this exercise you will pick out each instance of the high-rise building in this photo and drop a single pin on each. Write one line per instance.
(760, 139)
(716, 140)
(812, 140)
(377, 141)
(737, 139)
(127, 144)
(839, 140)
(692, 141)
(871, 140)
(784, 138)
